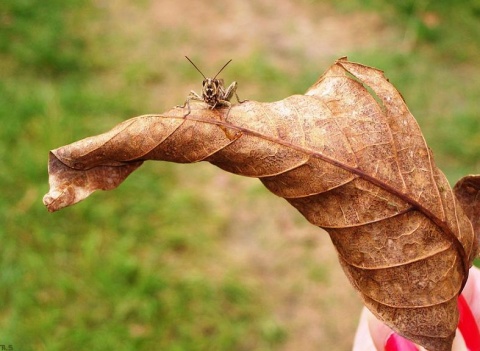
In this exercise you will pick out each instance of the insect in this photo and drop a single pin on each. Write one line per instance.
(213, 91)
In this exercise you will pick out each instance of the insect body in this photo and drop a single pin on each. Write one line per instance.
(213, 91)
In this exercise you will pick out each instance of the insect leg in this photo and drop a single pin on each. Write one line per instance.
(215, 104)
(232, 90)
(225, 103)
(195, 96)
(228, 94)
(192, 96)
(238, 99)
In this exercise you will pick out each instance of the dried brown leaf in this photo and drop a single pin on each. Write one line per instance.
(350, 157)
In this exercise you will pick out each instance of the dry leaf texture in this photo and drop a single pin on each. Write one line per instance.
(349, 156)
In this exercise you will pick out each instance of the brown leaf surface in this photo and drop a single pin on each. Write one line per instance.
(349, 156)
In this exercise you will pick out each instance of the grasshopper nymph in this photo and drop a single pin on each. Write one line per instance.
(213, 92)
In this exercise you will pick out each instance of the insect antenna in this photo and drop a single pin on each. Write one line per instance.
(221, 69)
(198, 68)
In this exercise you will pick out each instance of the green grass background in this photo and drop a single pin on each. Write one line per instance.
(132, 269)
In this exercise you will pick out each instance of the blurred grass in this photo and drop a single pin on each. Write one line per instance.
(136, 270)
